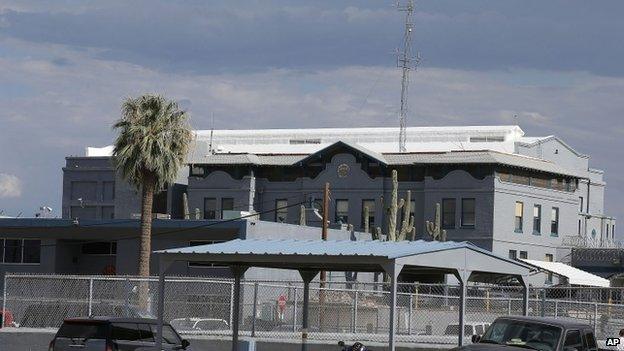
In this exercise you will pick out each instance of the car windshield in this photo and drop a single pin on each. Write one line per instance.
(526, 334)
(82, 330)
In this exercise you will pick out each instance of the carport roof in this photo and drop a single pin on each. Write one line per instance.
(370, 255)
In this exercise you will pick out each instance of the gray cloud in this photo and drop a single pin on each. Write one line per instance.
(238, 36)
(10, 186)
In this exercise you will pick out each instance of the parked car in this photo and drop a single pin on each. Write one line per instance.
(535, 333)
(114, 334)
(199, 324)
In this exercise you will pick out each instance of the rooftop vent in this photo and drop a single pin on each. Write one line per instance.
(487, 139)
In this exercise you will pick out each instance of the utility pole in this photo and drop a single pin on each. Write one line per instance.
(406, 63)
(323, 273)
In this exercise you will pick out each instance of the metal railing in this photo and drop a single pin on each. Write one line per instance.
(426, 313)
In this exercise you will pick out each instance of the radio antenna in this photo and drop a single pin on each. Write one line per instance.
(406, 62)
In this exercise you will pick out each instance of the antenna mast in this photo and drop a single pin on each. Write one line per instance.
(404, 61)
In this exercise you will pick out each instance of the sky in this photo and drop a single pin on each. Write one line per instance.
(551, 67)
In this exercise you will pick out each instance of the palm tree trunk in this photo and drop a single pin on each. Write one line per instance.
(146, 225)
(145, 250)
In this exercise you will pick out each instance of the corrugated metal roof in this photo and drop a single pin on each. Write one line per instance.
(453, 157)
(575, 276)
(376, 248)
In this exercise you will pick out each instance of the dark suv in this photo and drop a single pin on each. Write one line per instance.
(114, 334)
(535, 333)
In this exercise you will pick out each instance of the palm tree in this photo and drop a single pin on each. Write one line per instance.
(153, 140)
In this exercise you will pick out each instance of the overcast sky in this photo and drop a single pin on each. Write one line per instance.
(65, 66)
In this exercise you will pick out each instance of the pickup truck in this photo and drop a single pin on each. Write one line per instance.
(535, 333)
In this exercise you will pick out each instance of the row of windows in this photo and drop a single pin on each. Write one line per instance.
(561, 184)
(87, 191)
(341, 215)
(537, 219)
(22, 251)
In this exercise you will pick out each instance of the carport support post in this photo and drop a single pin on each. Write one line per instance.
(462, 276)
(237, 272)
(393, 271)
(163, 265)
(307, 277)
(525, 294)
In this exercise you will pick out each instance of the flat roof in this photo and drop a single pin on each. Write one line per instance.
(574, 275)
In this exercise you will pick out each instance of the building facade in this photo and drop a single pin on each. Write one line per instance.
(519, 196)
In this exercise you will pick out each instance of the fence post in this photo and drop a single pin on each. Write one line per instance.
(255, 310)
(595, 316)
(556, 308)
(231, 305)
(4, 299)
(409, 314)
(543, 303)
(128, 292)
(295, 309)
(355, 312)
(509, 306)
(90, 297)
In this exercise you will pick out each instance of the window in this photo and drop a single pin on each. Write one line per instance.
(99, 248)
(85, 191)
(554, 221)
(448, 213)
(210, 208)
(20, 251)
(83, 212)
(108, 212)
(199, 243)
(519, 217)
(468, 213)
(146, 333)
(524, 255)
(581, 204)
(513, 254)
(370, 204)
(281, 210)
(227, 204)
(549, 258)
(125, 331)
(590, 340)
(342, 211)
(608, 230)
(537, 219)
(573, 340)
(108, 191)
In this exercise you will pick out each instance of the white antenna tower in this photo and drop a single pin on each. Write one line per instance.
(406, 62)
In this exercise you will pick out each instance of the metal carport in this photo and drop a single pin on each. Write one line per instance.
(462, 259)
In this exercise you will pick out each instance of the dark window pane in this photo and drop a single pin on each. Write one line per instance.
(146, 333)
(227, 204)
(281, 210)
(210, 208)
(98, 248)
(468, 213)
(125, 331)
(82, 330)
(537, 219)
(448, 213)
(13, 251)
(342, 211)
(573, 339)
(169, 335)
(32, 251)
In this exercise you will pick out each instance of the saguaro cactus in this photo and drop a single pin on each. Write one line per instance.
(392, 223)
(197, 213)
(302, 215)
(435, 228)
(407, 225)
(366, 219)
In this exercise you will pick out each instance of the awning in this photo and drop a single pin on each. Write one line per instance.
(574, 276)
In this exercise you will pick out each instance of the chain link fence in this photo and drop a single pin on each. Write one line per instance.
(426, 313)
